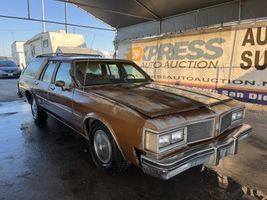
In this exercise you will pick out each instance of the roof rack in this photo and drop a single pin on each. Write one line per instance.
(68, 55)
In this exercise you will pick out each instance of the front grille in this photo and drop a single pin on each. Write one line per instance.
(10, 70)
(226, 121)
(200, 131)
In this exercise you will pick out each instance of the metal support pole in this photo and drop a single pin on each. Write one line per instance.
(234, 42)
(239, 11)
(43, 16)
(66, 18)
(29, 11)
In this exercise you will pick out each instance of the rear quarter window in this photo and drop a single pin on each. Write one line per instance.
(32, 69)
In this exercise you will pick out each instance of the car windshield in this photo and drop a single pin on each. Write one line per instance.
(7, 63)
(95, 73)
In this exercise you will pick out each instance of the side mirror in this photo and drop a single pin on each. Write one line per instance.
(60, 84)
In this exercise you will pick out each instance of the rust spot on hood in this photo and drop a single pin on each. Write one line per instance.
(153, 99)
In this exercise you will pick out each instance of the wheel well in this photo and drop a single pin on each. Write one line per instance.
(89, 123)
(28, 95)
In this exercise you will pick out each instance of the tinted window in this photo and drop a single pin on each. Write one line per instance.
(32, 69)
(48, 73)
(63, 74)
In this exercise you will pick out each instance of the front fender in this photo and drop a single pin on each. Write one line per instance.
(88, 120)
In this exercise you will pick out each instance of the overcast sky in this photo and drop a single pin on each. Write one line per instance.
(19, 30)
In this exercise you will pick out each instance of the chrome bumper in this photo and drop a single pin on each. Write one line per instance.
(208, 154)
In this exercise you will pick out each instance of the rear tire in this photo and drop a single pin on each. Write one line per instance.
(104, 151)
(39, 116)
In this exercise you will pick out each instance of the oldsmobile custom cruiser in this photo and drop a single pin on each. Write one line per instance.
(130, 119)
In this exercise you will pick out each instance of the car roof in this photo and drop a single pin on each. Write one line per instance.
(72, 57)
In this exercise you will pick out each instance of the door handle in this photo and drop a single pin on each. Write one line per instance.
(52, 87)
(36, 83)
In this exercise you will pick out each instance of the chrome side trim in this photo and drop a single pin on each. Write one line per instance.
(41, 97)
(61, 107)
(97, 117)
(50, 114)
(77, 115)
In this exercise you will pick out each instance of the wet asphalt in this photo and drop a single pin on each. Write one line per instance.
(53, 162)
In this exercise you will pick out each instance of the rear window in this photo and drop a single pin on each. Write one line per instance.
(32, 69)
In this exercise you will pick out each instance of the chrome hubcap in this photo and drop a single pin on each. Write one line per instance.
(34, 109)
(102, 146)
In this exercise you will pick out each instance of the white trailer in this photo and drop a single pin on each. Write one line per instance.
(18, 55)
(48, 42)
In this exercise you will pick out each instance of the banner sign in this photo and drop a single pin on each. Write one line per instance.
(228, 61)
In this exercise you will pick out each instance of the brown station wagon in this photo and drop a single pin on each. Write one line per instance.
(130, 119)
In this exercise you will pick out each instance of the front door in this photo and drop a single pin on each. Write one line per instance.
(60, 97)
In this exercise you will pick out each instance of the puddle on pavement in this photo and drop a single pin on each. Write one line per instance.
(229, 185)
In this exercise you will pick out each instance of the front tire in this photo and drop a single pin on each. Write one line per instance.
(104, 151)
(39, 116)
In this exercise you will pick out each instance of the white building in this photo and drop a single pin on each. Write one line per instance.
(17, 51)
(48, 42)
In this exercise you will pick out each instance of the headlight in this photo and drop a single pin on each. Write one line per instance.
(160, 142)
(177, 136)
(237, 115)
(164, 140)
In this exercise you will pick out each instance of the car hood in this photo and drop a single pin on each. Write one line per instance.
(156, 99)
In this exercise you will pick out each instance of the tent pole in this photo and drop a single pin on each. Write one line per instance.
(66, 18)
(29, 12)
(43, 16)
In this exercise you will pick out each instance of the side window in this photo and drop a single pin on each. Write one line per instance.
(32, 69)
(94, 69)
(114, 71)
(63, 74)
(45, 43)
(132, 72)
(86, 71)
(48, 73)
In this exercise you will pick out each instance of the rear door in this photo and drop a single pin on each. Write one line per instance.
(60, 98)
(42, 85)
